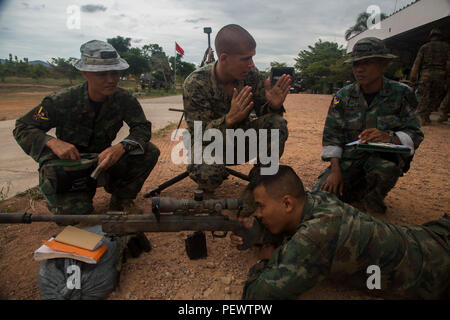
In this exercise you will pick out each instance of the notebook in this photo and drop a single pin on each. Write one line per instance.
(80, 238)
(52, 249)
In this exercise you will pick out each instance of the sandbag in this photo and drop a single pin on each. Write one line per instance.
(96, 281)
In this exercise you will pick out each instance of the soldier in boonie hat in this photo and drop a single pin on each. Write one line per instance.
(87, 118)
(370, 110)
(98, 56)
(435, 32)
(367, 48)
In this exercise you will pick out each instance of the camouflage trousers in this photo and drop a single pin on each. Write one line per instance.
(431, 91)
(444, 108)
(124, 180)
(210, 176)
(371, 176)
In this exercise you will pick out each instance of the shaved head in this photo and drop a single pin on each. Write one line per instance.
(233, 39)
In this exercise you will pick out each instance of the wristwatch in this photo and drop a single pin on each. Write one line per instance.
(127, 146)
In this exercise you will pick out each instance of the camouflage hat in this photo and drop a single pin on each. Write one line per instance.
(435, 32)
(97, 56)
(370, 47)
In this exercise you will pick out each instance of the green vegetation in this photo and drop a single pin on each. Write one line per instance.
(164, 131)
(360, 24)
(4, 190)
(162, 92)
(151, 64)
(322, 68)
(149, 61)
(33, 193)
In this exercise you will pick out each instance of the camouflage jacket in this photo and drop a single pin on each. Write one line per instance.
(393, 109)
(71, 113)
(335, 240)
(205, 100)
(432, 56)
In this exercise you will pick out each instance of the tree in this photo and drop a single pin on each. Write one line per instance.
(121, 44)
(38, 71)
(3, 72)
(65, 67)
(321, 67)
(159, 64)
(183, 68)
(361, 24)
(275, 64)
(137, 61)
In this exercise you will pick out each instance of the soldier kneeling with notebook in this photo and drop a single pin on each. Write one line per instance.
(372, 109)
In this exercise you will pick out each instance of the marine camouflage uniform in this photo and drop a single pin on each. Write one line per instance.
(336, 241)
(91, 128)
(205, 100)
(429, 71)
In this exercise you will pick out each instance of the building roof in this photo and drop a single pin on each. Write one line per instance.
(408, 27)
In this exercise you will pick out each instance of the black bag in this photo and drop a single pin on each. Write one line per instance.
(96, 281)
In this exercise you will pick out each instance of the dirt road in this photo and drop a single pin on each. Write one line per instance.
(167, 273)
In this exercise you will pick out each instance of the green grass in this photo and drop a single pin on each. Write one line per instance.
(163, 93)
(162, 132)
(4, 190)
(33, 193)
(59, 82)
(21, 84)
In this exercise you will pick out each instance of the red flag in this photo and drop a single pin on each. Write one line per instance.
(179, 49)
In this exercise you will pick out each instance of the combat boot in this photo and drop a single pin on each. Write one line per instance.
(127, 205)
(425, 120)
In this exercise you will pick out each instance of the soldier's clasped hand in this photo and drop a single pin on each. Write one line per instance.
(241, 105)
(276, 95)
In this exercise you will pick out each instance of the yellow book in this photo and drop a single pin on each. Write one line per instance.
(80, 238)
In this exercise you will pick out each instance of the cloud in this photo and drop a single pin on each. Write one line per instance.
(281, 28)
(90, 8)
(195, 20)
(26, 5)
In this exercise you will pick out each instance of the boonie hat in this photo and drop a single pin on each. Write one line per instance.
(435, 32)
(370, 47)
(97, 56)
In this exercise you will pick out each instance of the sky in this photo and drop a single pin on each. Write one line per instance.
(40, 30)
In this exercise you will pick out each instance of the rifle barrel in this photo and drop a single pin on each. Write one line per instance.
(125, 223)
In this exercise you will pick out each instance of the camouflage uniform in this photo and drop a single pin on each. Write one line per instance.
(336, 241)
(91, 128)
(370, 174)
(205, 100)
(429, 70)
(444, 108)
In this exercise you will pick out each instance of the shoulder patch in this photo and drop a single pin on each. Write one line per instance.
(334, 101)
(40, 114)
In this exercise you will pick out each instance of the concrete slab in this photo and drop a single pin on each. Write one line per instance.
(18, 172)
